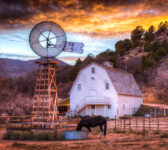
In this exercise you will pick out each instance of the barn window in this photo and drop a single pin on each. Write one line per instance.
(123, 106)
(93, 69)
(109, 106)
(79, 87)
(107, 85)
(92, 106)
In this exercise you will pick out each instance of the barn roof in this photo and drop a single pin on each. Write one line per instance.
(123, 81)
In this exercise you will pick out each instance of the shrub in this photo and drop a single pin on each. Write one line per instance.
(27, 135)
(164, 135)
(7, 135)
(155, 46)
(156, 132)
(122, 46)
(161, 52)
(145, 145)
(15, 144)
(43, 136)
(162, 27)
(137, 71)
(147, 62)
(116, 130)
(147, 46)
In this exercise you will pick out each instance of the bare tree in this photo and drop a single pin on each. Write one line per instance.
(9, 108)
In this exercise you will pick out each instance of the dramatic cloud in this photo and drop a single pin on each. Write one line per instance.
(100, 18)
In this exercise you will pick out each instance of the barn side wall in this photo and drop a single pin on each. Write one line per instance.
(127, 104)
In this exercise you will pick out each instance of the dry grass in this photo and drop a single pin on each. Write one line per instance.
(113, 141)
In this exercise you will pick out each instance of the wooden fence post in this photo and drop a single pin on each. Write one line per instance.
(115, 122)
(143, 124)
(155, 113)
(164, 113)
(158, 124)
(124, 126)
(129, 122)
(149, 123)
(121, 124)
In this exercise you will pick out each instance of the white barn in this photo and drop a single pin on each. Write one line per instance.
(103, 90)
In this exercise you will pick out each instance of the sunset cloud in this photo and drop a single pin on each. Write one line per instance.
(98, 18)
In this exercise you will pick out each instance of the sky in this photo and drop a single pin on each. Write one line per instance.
(99, 24)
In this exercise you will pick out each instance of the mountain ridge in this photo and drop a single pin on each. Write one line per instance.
(15, 68)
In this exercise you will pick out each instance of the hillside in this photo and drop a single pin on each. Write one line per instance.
(145, 55)
(16, 68)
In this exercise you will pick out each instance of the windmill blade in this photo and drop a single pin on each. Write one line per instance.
(73, 47)
(47, 39)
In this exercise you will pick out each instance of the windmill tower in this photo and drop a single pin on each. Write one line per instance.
(47, 39)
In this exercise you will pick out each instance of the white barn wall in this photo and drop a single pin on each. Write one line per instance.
(94, 91)
(130, 102)
(93, 88)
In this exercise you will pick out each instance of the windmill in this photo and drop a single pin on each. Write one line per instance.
(47, 39)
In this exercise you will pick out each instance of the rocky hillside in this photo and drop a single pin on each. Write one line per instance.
(146, 56)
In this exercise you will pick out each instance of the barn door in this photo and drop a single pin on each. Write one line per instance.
(93, 110)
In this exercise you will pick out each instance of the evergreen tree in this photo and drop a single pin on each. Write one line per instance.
(147, 46)
(162, 27)
(75, 69)
(123, 46)
(137, 35)
(149, 35)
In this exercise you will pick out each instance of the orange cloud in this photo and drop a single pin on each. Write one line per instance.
(99, 18)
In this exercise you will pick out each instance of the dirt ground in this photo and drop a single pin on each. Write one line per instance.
(113, 141)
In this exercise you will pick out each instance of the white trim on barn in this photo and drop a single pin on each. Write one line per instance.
(106, 91)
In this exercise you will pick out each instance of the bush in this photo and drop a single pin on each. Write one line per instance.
(44, 136)
(145, 145)
(116, 130)
(162, 27)
(147, 46)
(156, 132)
(164, 135)
(122, 46)
(161, 52)
(15, 144)
(155, 46)
(7, 135)
(27, 135)
(147, 62)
